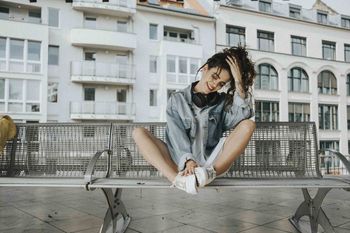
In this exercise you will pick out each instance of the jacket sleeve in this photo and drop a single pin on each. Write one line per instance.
(241, 109)
(176, 137)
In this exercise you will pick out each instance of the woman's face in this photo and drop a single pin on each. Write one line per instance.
(212, 80)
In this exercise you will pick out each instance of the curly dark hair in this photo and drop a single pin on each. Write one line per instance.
(245, 65)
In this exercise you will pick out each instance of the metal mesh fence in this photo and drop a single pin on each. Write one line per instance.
(276, 150)
(58, 150)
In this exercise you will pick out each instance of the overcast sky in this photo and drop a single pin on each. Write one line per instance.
(341, 6)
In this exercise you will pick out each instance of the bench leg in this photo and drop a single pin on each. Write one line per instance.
(311, 207)
(115, 213)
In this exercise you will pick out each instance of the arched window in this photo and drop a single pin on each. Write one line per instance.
(327, 83)
(298, 80)
(267, 77)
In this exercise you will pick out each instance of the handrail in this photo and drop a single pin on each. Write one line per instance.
(91, 166)
(340, 156)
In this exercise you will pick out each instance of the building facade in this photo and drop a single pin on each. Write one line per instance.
(95, 61)
(302, 62)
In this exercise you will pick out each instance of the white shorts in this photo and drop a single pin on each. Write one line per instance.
(215, 154)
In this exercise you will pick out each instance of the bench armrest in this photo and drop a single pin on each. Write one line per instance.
(91, 166)
(340, 156)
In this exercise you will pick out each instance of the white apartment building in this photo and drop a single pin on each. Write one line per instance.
(302, 58)
(172, 44)
(91, 60)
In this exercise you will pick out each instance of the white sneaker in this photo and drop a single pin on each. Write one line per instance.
(204, 175)
(186, 183)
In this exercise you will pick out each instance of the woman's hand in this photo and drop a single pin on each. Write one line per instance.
(189, 167)
(236, 73)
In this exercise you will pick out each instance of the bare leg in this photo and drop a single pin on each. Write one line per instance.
(155, 152)
(234, 145)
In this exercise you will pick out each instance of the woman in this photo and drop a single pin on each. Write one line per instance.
(194, 152)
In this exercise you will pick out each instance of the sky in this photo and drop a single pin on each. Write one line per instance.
(341, 6)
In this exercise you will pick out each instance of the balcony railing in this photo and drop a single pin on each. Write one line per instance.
(175, 39)
(125, 6)
(99, 69)
(102, 108)
(20, 19)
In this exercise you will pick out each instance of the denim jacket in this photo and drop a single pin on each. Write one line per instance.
(181, 134)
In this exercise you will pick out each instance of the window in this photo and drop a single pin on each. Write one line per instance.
(322, 17)
(53, 55)
(298, 80)
(122, 26)
(52, 92)
(178, 34)
(4, 12)
(121, 95)
(34, 50)
(345, 22)
(194, 66)
(328, 50)
(348, 85)
(90, 22)
(327, 83)
(16, 55)
(32, 96)
(53, 17)
(265, 5)
(347, 52)
(152, 97)
(153, 31)
(2, 53)
(267, 77)
(33, 57)
(16, 49)
(294, 12)
(2, 47)
(328, 116)
(34, 15)
(22, 95)
(153, 64)
(298, 46)
(90, 56)
(266, 41)
(298, 112)
(89, 94)
(2, 89)
(326, 162)
(266, 111)
(171, 63)
(235, 35)
(34, 93)
(183, 65)
(348, 115)
(15, 103)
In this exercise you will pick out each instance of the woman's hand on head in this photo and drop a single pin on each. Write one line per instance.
(236, 73)
(189, 167)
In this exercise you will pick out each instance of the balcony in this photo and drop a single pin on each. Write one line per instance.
(15, 18)
(103, 39)
(91, 110)
(102, 73)
(179, 48)
(123, 8)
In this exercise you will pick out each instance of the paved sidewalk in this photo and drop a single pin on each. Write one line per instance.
(54, 210)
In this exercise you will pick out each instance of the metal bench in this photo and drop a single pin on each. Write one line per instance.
(90, 156)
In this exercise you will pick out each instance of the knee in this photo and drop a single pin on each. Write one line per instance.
(138, 132)
(248, 126)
